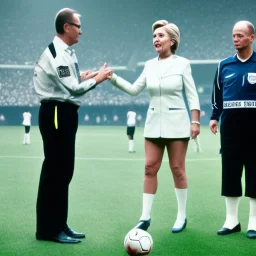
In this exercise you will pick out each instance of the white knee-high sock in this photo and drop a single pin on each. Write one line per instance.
(181, 195)
(147, 205)
(131, 145)
(252, 216)
(232, 204)
(24, 139)
(28, 138)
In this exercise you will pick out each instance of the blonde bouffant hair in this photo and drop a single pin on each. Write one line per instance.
(172, 31)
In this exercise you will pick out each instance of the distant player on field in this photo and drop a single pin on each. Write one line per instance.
(27, 123)
(131, 123)
(198, 147)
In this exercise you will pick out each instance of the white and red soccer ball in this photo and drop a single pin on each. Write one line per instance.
(138, 242)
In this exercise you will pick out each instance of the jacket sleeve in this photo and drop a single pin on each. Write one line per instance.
(190, 88)
(217, 99)
(133, 89)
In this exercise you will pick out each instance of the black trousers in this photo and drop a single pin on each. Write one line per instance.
(58, 122)
(238, 152)
(232, 171)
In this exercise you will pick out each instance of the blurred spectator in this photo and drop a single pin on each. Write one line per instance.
(2, 119)
(86, 118)
(115, 118)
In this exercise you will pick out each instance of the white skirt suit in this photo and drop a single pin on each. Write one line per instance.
(167, 115)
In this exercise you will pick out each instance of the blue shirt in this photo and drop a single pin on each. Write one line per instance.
(234, 86)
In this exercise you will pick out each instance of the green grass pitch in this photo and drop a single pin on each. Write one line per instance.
(106, 197)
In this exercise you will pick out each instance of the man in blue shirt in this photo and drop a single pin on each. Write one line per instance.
(234, 101)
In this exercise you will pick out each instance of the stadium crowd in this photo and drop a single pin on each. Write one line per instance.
(17, 90)
(126, 42)
(121, 40)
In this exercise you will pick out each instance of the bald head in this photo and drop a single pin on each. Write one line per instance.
(245, 26)
(243, 35)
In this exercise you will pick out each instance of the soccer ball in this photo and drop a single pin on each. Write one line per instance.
(138, 242)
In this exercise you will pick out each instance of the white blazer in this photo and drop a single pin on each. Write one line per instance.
(167, 115)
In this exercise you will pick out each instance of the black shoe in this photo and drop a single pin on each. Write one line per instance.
(177, 230)
(227, 231)
(251, 234)
(69, 232)
(60, 238)
(143, 224)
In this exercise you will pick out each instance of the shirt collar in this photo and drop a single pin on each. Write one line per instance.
(61, 44)
(253, 57)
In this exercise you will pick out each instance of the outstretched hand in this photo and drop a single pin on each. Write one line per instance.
(110, 75)
(104, 73)
(88, 74)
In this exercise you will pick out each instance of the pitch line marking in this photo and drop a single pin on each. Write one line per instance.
(111, 159)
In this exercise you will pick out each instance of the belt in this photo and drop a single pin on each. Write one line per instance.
(59, 103)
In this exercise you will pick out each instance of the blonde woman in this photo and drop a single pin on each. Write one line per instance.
(168, 122)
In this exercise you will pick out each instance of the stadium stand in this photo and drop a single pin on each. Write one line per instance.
(121, 36)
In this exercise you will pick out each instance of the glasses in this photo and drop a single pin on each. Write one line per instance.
(74, 24)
